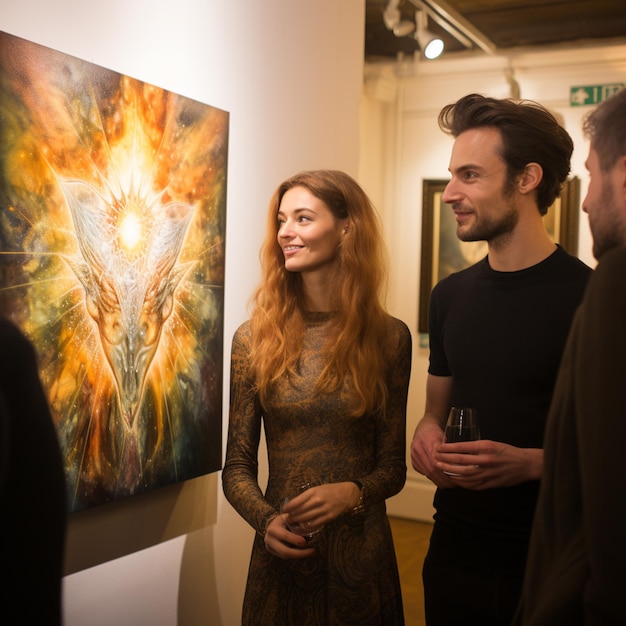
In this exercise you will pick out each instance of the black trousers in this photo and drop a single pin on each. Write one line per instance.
(466, 583)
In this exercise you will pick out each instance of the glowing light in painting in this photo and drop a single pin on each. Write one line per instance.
(112, 261)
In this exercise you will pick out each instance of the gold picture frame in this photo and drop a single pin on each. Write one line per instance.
(443, 253)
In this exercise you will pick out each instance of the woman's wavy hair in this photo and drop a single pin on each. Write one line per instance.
(530, 134)
(353, 352)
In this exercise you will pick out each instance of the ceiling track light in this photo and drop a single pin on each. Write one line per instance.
(431, 45)
(455, 24)
(391, 15)
(444, 16)
(404, 28)
(393, 21)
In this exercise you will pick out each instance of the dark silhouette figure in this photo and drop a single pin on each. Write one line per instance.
(32, 490)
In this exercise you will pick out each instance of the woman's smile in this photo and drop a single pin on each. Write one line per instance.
(304, 218)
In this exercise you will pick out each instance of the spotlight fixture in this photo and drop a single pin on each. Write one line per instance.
(442, 14)
(391, 15)
(404, 28)
(391, 18)
(431, 45)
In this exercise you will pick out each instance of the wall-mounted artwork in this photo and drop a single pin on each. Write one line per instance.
(444, 253)
(112, 241)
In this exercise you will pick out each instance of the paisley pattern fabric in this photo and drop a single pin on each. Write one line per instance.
(352, 578)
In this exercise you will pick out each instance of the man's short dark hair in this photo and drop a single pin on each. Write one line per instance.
(529, 132)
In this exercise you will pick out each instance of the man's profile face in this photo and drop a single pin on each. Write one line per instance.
(483, 206)
(605, 203)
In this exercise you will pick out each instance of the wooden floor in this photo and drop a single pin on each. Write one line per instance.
(411, 541)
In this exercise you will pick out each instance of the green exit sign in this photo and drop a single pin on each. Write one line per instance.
(592, 94)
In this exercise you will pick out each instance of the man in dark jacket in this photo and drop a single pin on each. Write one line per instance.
(575, 569)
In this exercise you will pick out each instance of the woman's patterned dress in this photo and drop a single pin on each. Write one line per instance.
(352, 578)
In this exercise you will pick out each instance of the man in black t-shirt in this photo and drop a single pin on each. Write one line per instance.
(497, 332)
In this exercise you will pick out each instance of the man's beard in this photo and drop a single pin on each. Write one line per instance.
(611, 232)
(492, 229)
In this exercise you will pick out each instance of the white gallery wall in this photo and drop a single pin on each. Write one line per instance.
(289, 72)
(401, 145)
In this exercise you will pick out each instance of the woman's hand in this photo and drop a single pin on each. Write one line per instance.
(322, 503)
(281, 542)
(311, 509)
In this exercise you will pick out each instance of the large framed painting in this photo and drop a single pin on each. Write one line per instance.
(112, 241)
(443, 253)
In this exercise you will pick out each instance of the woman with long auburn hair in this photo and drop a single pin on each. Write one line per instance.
(325, 369)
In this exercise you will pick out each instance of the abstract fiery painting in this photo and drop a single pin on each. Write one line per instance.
(112, 245)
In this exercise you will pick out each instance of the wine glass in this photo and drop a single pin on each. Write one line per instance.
(296, 486)
(462, 425)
